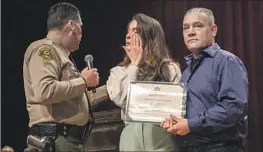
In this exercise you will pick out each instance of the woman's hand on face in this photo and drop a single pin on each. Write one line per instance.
(134, 51)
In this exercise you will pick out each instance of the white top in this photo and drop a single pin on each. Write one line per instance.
(121, 76)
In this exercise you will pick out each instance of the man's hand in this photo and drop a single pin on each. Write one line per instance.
(91, 76)
(167, 123)
(176, 125)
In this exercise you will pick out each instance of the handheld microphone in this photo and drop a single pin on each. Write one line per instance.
(89, 63)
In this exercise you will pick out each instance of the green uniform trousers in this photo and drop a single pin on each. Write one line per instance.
(146, 137)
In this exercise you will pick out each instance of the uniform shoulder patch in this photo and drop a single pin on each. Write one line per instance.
(46, 52)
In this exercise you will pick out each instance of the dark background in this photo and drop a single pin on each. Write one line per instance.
(23, 21)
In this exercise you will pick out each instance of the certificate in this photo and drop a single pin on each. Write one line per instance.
(152, 102)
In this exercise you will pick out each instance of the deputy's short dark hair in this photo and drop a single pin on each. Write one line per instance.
(60, 13)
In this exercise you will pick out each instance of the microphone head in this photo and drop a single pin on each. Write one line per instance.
(88, 58)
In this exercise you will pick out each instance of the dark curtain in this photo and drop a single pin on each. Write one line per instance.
(240, 30)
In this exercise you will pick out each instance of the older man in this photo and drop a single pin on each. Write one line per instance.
(217, 86)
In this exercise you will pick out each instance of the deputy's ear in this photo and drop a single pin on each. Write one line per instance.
(69, 26)
(214, 30)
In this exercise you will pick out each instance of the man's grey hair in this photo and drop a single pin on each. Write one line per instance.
(206, 11)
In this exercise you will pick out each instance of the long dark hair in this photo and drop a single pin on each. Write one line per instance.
(155, 58)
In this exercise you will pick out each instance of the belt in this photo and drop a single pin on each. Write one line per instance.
(55, 129)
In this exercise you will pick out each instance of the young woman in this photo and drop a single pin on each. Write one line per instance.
(147, 59)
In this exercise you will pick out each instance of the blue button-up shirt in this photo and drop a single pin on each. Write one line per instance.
(217, 96)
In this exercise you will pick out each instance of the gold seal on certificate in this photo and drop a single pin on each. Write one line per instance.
(152, 102)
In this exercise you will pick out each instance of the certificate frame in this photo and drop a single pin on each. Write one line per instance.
(132, 114)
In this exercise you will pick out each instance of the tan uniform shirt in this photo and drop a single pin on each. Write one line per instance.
(117, 83)
(54, 89)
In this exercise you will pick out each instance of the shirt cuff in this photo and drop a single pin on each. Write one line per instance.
(84, 81)
(80, 83)
(132, 71)
(194, 123)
